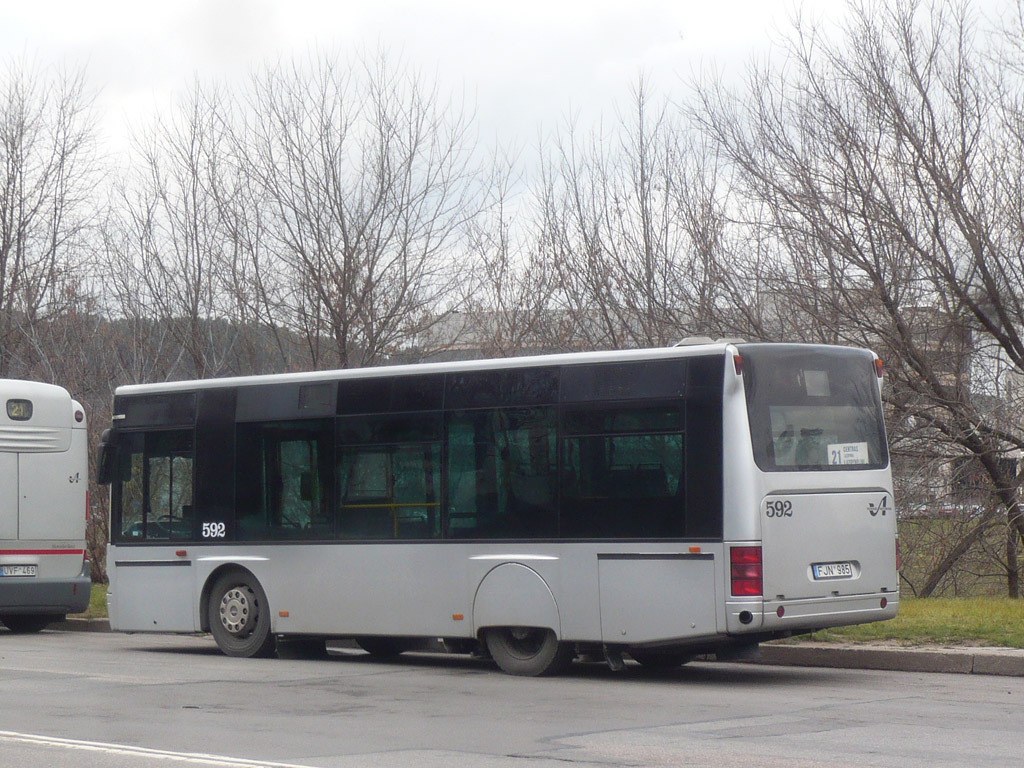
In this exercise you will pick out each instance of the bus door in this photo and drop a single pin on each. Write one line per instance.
(151, 587)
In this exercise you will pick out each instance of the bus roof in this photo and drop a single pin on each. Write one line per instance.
(572, 358)
(51, 405)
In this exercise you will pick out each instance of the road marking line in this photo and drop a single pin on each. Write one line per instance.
(195, 758)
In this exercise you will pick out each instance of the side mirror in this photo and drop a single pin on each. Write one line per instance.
(106, 461)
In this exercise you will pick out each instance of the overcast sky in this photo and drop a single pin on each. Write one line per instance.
(522, 62)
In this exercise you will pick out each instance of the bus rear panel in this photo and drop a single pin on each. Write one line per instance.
(44, 573)
(820, 482)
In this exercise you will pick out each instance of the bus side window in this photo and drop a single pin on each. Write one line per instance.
(502, 474)
(128, 491)
(626, 466)
(283, 481)
(463, 479)
(390, 491)
(292, 493)
(417, 488)
(153, 496)
(364, 484)
(170, 497)
(169, 484)
(389, 469)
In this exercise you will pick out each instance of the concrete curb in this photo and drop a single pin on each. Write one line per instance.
(76, 624)
(965, 661)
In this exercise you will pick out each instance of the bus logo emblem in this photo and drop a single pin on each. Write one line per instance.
(882, 507)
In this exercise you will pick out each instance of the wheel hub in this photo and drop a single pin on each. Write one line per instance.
(525, 642)
(236, 610)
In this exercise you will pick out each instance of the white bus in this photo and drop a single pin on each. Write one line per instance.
(44, 573)
(658, 503)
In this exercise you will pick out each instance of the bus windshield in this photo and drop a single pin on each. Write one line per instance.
(813, 408)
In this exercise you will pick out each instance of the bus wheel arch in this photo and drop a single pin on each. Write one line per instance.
(514, 595)
(516, 617)
(235, 610)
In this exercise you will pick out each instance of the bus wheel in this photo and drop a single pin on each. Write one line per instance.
(528, 651)
(240, 616)
(660, 659)
(382, 647)
(23, 624)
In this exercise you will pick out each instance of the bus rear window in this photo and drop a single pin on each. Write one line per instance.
(813, 408)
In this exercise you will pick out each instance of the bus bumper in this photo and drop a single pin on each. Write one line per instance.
(819, 613)
(47, 596)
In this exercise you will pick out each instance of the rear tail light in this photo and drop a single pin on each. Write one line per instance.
(746, 571)
(897, 553)
(879, 367)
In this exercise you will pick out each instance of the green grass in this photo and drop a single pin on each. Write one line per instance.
(988, 621)
(97, 604)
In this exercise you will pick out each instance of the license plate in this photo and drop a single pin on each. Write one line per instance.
(17, 570)
(833, 570)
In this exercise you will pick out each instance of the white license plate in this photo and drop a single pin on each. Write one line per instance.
(833, 570)
(17, 570)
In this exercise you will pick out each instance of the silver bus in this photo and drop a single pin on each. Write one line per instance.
(655, 504)
(44, 573)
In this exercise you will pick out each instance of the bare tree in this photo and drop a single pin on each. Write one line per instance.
(167, 248)
(369, 187)
(881, 161)
(251, 271)
(631, 226)
(507, 305)
(47, 168)
(49, 172)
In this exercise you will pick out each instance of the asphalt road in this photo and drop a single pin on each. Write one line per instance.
(101, 699)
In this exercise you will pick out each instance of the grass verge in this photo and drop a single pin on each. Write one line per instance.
(97, 604)
(997, 622)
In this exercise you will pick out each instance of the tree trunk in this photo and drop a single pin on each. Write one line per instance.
(946, 564)
(1012, 568)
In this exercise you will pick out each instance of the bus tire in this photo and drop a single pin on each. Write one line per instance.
(24, 623)
(528, 651)
(660, 659)
(239, 616)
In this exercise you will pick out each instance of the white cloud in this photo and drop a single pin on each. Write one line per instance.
(524, 61)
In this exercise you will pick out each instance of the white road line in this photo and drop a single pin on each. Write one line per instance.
(193, 758)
